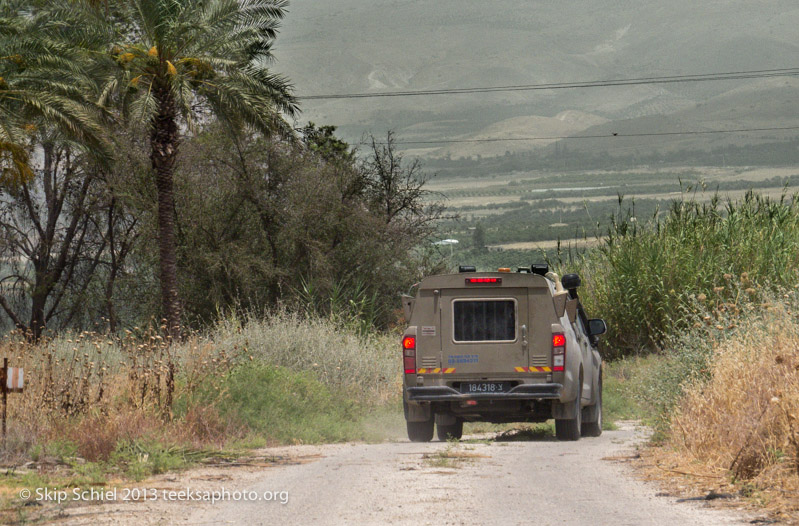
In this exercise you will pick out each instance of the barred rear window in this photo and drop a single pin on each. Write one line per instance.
(484, 320)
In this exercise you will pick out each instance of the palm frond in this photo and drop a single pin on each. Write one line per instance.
(214, 55)
(47, 77)
(257, 100)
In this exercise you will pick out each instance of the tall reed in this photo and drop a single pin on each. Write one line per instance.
(648, 270)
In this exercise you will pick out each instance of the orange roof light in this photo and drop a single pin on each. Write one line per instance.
(503, 269)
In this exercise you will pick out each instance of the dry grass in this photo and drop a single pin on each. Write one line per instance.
(451, 457)
(96, 391)
(740, 429)
(87, 395)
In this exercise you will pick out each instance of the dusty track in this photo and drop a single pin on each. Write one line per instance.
(532, 481)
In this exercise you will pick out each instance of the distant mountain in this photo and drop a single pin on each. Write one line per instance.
(346, 46)
(563, 124)
(760, 104)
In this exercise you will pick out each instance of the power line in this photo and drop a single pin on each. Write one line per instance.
(597, 136)
(708, 77)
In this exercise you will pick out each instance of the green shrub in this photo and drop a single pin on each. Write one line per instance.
(685, 364)
(364, 366)
(287, 406)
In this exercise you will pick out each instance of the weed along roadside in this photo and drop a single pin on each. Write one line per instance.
(731, 430)
(95, 411)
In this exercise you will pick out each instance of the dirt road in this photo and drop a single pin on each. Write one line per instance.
(505, 482)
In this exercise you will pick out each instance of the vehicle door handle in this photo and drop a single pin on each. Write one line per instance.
(524, 337)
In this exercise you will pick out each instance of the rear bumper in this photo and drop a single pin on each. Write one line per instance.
(442, 393)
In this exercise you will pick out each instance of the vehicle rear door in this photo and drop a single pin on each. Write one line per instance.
(484, 331)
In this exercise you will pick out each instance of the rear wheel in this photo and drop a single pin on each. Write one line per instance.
(569, 429)
(592, 415)
(420, 431)
(451, 431)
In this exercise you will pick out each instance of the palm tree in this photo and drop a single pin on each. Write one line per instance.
(45, 82)
(178, 62)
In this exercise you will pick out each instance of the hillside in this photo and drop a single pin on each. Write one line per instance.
(758, 104)
(345, 46)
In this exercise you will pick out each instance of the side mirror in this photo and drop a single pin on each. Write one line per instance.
(597, 327)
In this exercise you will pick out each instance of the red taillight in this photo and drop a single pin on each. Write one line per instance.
(484, 281)
(409, 354)
(558, 352)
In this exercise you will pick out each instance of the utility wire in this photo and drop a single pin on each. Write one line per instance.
(597, 136)
(708, 77)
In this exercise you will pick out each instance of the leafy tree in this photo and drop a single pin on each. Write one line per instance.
(261, 222)
(322, 140)
(178, 62)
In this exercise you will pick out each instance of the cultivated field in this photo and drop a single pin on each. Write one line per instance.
(534, 211)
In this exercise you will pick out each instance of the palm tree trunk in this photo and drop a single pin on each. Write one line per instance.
(164, 141)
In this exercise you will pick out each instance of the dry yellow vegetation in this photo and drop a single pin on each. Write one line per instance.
(739, 431)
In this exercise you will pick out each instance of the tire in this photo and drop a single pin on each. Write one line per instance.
(569, 429)
(420, 431)
(451, 431)
(592, 415)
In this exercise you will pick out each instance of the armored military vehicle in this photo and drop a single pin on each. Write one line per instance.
(500, 347)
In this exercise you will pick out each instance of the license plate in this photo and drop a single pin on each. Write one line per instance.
(485, 387)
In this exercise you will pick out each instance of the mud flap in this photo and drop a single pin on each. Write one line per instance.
(562, 411)
(415, 412)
